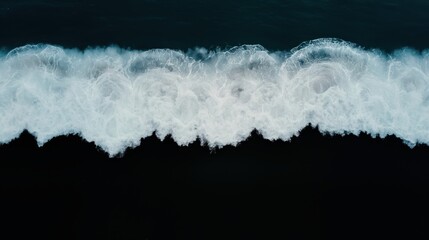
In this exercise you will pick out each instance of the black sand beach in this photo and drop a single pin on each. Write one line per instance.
(315, 186)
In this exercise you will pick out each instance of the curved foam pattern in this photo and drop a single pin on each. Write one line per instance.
(115, 97)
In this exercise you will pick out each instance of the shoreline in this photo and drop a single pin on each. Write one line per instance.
(320, 187)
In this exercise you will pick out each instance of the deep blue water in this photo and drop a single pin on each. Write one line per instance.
(277, 25)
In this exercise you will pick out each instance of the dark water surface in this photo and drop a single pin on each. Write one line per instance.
(313, 187)
(277, 25)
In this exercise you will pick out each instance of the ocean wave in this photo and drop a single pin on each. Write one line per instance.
(114, 97)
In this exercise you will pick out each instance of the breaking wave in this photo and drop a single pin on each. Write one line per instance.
(114, 97)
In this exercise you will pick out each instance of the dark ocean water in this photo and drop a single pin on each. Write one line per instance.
(311, 187)
(277, 25)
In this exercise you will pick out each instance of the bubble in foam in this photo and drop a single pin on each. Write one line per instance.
(115, 97)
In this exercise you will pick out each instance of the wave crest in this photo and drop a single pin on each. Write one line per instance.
(114, 97)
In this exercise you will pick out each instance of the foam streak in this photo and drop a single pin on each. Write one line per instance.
(115, 97)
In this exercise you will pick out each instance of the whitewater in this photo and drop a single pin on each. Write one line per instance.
(114, 97)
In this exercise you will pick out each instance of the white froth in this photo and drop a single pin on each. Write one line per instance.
(115, 97)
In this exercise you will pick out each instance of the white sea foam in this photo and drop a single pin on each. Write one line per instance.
(115, 97)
